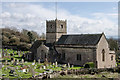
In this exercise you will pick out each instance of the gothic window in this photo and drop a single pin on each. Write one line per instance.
(112, 58)
(79, 57)
(103, 55)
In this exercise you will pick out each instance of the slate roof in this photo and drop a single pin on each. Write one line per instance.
(82, 39)
(36, 44)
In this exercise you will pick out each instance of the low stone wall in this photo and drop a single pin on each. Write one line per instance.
(55, 74)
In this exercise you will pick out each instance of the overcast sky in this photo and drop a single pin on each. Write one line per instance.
(82, 17)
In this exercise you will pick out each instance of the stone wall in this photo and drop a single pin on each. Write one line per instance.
(87, 55)
(103, 44)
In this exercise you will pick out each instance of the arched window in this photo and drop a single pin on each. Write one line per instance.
(103, 55)
(112, 58)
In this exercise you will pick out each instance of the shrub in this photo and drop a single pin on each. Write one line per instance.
(14, 40)
(89, 65)
(5, 40)
(24, 46)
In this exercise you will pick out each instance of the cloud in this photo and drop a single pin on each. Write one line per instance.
(34, 16)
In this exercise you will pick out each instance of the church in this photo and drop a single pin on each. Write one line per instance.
(76, 49)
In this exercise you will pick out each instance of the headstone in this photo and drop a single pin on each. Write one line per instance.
(39, 61)
(40, 67)
(13, 59)
(65, 65)
(72, 66)
(6, 62)
(53, 63)
(22, 60)
(17, 68)
(68, 65)
(17, 61)
(34, 61)
(19, 54)
(44, 67)
(56, 64)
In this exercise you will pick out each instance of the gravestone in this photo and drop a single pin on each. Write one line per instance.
(22, 60)
(68, 65)
(40, 67)
(6, 62)
(39, 61)
(17, 61)
(44, 67)
(56, 65)
(19, 54)
(34, 61)
(53, 64)
(72, 66)
(13, 59)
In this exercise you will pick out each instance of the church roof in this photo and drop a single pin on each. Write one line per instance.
(36, 44)
(81, 39)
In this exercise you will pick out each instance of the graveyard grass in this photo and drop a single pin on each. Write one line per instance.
(19, 74)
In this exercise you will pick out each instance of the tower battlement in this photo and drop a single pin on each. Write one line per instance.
(56, 20)
(55, 29)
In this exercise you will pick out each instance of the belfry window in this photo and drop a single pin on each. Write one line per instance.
(61, 26)
(51, 26)
(103, 55)
(112, 58)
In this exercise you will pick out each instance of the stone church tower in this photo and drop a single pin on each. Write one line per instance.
(55, 29)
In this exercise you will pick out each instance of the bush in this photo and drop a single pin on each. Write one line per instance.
(89, 65)
(24, 39)
(24, 46)
(14, 40)
(5, 40)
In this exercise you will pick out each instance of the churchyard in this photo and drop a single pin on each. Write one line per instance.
(14, 65)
